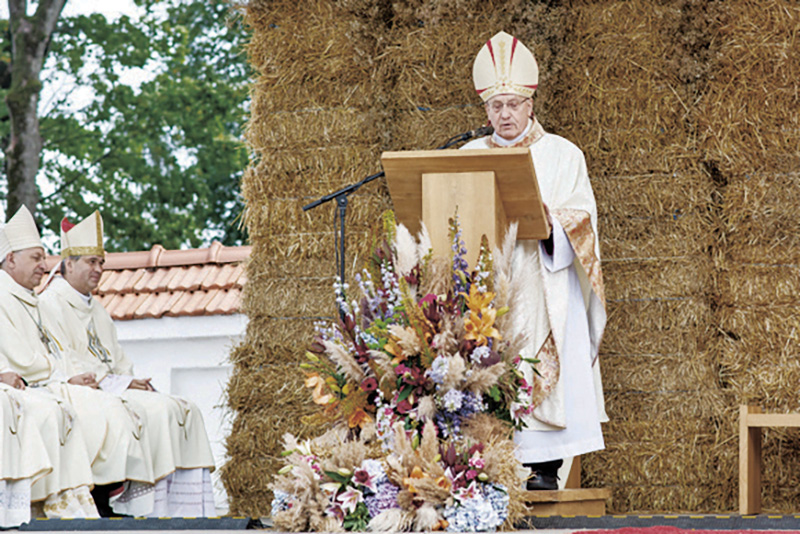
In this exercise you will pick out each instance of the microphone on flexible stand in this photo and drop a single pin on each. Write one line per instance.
(466, 136)
(480, 132)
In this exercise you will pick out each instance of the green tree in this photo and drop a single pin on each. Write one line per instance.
(27, 40)
(157, 147)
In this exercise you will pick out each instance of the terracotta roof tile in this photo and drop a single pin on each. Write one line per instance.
(190, 303)
(151, 280)
(158, 282)
(223, 301)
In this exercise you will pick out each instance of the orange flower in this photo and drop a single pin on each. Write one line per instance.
(317, 382)
(480, 328)
(416, 474)
(478, 302)
(394, 349)
(358, 418)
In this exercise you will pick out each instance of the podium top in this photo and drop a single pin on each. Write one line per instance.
(512, 167)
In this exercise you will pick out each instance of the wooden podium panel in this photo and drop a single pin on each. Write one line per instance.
(490, 187)
(443, 194)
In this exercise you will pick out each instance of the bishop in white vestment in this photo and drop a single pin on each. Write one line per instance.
(563, 298)
(114, 437)
(178, 440)
(23, 456)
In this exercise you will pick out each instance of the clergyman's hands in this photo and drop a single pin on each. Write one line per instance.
(85, 379)
(12, 379)
(141, 383)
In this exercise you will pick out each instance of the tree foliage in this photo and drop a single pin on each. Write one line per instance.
(156, 144)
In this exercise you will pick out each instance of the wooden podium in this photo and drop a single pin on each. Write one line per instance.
(490, 188)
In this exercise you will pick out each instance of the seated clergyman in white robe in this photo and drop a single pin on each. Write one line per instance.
(114, 436)
(47, 430)
(562, 298)
(181, 451)
(23, 456)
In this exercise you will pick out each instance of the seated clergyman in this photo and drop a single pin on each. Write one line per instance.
(182, 458)
(83, 416)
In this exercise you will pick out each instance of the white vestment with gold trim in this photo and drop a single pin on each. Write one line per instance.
(113, 434)
(176, 429)
(560, 303)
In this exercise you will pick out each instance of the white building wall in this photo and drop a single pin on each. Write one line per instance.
(188, 357)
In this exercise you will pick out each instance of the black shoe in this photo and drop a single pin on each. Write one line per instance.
(541, 481)
(101, 495)
(544, 475)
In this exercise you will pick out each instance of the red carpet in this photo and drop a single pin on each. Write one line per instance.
(676, 530)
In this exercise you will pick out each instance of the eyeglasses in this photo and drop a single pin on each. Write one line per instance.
(512, 105)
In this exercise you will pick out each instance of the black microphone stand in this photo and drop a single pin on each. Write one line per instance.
(341, 203)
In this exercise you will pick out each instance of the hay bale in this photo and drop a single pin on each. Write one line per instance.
(662, 278)
(681, 112)
(747, 284)
(656, 236)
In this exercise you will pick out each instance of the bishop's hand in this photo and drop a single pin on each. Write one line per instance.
(13, 379)
(141, 383)
(85, 379)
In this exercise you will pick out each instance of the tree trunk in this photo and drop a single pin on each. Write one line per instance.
(30, 39)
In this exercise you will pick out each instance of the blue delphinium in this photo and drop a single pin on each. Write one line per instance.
(457, 406)
(460, 265)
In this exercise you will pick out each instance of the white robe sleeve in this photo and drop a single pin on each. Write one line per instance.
(563, 255)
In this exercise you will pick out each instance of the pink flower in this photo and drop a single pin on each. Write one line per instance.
(477, 462)
(336, 511)
(369, 384)
(350, 499)
(471, 474)
(362, 476)
(469, 492)
(404, 407)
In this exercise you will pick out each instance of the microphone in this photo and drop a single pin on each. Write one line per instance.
(480, 132)
(466, 136)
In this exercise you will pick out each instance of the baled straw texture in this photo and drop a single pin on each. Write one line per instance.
(685, 115)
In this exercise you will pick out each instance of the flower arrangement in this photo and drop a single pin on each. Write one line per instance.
(421, 382)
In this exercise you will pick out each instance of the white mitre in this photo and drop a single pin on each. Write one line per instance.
(505, 66)
(19, 233)
(84, 238)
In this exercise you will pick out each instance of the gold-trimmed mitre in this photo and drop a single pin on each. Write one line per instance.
(505, 66)
(84, 238)
(19, 233)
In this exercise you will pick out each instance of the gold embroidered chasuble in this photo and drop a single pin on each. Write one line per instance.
(566, 190)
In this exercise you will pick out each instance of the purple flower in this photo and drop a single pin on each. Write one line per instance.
(384, 498)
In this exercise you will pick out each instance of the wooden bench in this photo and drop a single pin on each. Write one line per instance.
(572, 500)
(751, 421)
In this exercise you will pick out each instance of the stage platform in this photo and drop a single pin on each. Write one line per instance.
(529, 525)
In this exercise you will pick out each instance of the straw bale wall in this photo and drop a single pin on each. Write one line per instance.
(684, 109)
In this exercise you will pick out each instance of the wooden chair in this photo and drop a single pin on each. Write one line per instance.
(751, 421)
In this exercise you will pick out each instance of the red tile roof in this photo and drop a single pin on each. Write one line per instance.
(173, 283)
